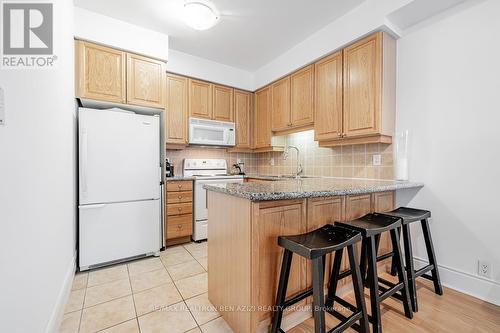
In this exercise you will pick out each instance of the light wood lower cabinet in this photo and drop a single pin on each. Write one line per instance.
(179, 212)
(321, 211)
(244, 256)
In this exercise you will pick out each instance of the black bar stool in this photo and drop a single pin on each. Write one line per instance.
(409, 215)
(371, 227)
(315, 245)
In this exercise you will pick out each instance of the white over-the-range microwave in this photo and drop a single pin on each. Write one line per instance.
(211, 132)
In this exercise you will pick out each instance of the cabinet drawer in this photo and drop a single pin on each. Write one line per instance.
(179, 197)
(179, 226)
(179, 208)
(181, 185)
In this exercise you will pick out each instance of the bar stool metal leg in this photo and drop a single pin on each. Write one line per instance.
(432, 257)
(410, 269)
(357, 280)
(373, 282)
(401, 273)
(318, 276)
(280, 298)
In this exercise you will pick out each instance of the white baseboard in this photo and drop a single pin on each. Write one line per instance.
(62, 298)
(482, 288)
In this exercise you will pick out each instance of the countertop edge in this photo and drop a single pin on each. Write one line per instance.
(312, 194)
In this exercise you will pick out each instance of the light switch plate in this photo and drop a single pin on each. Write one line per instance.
(2, 107)
(377, 159)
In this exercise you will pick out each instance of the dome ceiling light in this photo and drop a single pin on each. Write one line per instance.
(200, 15)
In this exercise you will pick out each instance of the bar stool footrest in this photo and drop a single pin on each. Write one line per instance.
(297, 298)
(420, 272)
(385, 256)
(347, 321)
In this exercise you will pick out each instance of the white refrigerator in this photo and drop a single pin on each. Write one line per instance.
(119, 185)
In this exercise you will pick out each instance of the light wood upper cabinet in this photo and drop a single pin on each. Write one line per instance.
(362, 81)
(302, 97)
(100, 72)
(369, 86)
(281, 105)
(200, 99)
(328, 102)
(263, 118)
(177, 109)
(243, 118)
(222, 103)
(145, 81)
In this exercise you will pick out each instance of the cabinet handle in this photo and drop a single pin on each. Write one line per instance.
(179, 226)
(180, 197)
(339, 135)
(179, 209)
(179, 186)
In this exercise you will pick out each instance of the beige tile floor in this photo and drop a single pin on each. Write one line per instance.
(153, 295)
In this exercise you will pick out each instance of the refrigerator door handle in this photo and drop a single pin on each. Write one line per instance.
(92, 206)
(84, 161)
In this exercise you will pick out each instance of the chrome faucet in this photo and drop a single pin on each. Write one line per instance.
(285, 157)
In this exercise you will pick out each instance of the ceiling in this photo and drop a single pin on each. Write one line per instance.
(250, 33)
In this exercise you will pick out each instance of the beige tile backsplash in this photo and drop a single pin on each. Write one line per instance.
(342, 161)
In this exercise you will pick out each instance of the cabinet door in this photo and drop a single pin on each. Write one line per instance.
(362, 86)
(200, 99)
(355, 207)
(281, 105)
(302, 97)
(177, 109)
(222, 103)
(145, 81)
(274, 222)
(383, 202)
(100, 72)
(263, 118)
(242, 113)
(321, 211)
(328, 102)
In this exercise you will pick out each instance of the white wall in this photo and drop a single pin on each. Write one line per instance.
(187, 64)
(112, 32)
(448, 98)
(37, 187)
(367, 17)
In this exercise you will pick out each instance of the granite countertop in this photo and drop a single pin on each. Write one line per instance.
(309, 188)
(174, 178)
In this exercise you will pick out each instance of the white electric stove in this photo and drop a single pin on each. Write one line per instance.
(205, 171)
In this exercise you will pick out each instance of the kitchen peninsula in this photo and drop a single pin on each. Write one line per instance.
(245, 221)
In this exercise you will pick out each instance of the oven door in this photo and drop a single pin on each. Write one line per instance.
(200, 196)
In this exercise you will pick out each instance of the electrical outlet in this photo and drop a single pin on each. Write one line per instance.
(377, 159)
(271, 161)
(484, 268)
